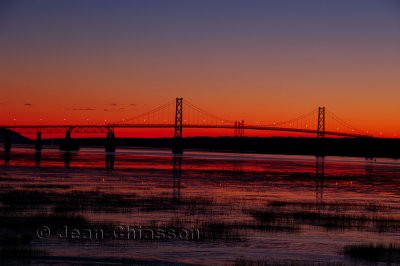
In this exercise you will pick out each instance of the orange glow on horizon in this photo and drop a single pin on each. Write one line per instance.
(259, 67)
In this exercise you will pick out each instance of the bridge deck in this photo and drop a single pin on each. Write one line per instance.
(32, 129)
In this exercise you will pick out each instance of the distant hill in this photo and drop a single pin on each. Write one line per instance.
(362, 147)
(15, 137)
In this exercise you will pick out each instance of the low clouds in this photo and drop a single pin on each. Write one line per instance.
(119, 107)
(109, 107)
(80, 109)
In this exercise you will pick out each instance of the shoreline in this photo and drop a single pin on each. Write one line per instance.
(348, 147)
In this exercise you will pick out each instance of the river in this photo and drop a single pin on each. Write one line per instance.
(211, 208)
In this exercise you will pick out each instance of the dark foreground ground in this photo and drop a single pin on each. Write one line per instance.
(247, 210)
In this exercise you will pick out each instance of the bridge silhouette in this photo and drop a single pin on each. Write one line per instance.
(179, 114)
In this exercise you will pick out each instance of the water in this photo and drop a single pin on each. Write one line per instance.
(246, 208)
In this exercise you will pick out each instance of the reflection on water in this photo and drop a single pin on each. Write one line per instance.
(110, 157)
(369, 166)
(250, 209)
(237, 168)
(67, 159)
(7, 157)
(319, 179)
(176, 175)
(38, 157)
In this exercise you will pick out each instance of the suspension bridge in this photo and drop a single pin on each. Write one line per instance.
(179, 114)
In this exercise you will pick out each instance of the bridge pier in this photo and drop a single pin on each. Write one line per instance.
(110, 141)
(178, 141)
(320, 147)
(68, 145)
(38, 142)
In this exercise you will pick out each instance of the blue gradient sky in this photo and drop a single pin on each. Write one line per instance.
(252, 60)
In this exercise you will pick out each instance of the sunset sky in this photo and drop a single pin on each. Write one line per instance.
(252, 60)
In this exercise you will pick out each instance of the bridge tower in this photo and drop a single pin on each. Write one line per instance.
(238, 135)
(178, 142)
(321, 131)
(321, 123)
(239, 129)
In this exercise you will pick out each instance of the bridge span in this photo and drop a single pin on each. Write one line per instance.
(314, 122)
